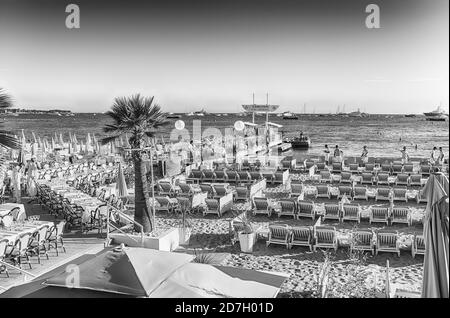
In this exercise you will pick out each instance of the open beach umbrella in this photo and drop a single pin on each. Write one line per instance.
(436, 227)
(121, 185)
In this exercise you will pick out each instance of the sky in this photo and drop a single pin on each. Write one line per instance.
(215, 54)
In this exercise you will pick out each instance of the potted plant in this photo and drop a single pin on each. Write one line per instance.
(247, 236)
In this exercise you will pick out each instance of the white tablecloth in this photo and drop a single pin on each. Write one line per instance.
(7, 207)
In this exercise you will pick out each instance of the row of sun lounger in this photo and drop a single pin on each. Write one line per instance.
(326, 237)
(234, 177)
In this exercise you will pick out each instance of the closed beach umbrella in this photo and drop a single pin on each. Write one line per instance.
(435, 267)
(61, 140)
(75, 138)
(34, 136)
(21, 157)
(70, 137)
(53, 144)
(88, 139)
(70, 150)
(121, 185)
(24, 140)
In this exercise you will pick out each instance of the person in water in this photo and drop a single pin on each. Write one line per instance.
(405, 155)
(327, 155)
(441, 157)
(434, 156)
(364, 155)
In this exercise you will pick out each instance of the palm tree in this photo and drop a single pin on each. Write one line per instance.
(7, 139)
(140, 118)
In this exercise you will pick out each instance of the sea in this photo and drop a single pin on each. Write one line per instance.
(384, 135)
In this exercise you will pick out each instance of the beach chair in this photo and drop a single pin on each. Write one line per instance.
(325, 237)
(287, 208)
(208, 176)
(383, 194)
(332, 212)
(219, 191)
(402, 179)
(417, 246)
(244, 177)
(421, 198)
(325, 176)
(408, 168)
(309, 164)
(164, 205)
(363, 240)
(277, 177)
(415, 180)
(320, 166)
(166, 188)
(212, 207)
(242, 193)
(369, 167)
(351, 212)
(323, 191)
(301, 236)
(220, 176)
(245, 165)
(425, 170)
(397, 169)
(382, 178)
(261, 206)
(386, 168)
(346, 177)
(379, 215)
(345, 190)
(360, 193)
(400, 194)
(367, 178)
(286, 164)
(336, 167)
(401, 215)
(256, 175)
(195, 176)
(184, 205)
(354, 168)
(387, 241)
(279, 234)
(296, 189)
(185, 190)
(268, 176)
(208, 189)
(306, 209)
(232, 176)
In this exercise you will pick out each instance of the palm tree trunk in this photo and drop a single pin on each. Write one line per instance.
(142, 204)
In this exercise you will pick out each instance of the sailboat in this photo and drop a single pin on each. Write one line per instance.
(436, 115)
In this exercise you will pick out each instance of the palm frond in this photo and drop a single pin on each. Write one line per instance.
(5, 99)
(107, 140)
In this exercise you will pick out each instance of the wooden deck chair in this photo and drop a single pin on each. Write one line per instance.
(208, 176)
(219, 191)
(242, 193)
(195, 176)
(415, 180)
(269, 176)
(386, 168)
(166, 188)
(296, 189)
(261, 206)
(408, 168)
(400, 194)
(345, 190)
(379, 215)
(337, 167)
(309, 164)
(325, 176)
(185, 190)
(354, 168)
(320, 166)
(279, 234)
(208, 189)
(323, 191)
(332, 212)
(425, 170)
(287, 207)
(277, 177)
(301, 236)
(232, 176)
(402, 179)
(244, 177)
(212, 207)
(383, 194)
(256, 175)
(164, 205)
(401, 215)
(382, 178)
(325, 237)
(418, 245)
(369, 167)
(363, 240)
(306, 209)
(387, 241)
(397, 169)
(220, 176)
(367, 178)
(421, 198)
(346, 177)
(360, 193)
(351, 212)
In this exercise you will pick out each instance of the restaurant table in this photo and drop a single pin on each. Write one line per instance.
(17, 229)
(8, 207)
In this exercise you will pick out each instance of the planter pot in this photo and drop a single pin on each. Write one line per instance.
(247, 241)
(184, 234)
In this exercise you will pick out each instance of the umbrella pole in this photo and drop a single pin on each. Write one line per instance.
(153, 191)
(107, 224)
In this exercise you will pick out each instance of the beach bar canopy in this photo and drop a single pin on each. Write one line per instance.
(435, 267)
(141, 272)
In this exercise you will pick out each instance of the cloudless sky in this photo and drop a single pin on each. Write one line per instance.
(215, 54)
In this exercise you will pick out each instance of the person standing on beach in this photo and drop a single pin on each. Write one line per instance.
(337, 153)
(16, 182)
(434, 156)
(405, 156)
(364, 155)
(441, 156)
(327, 155)
(32, 173)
